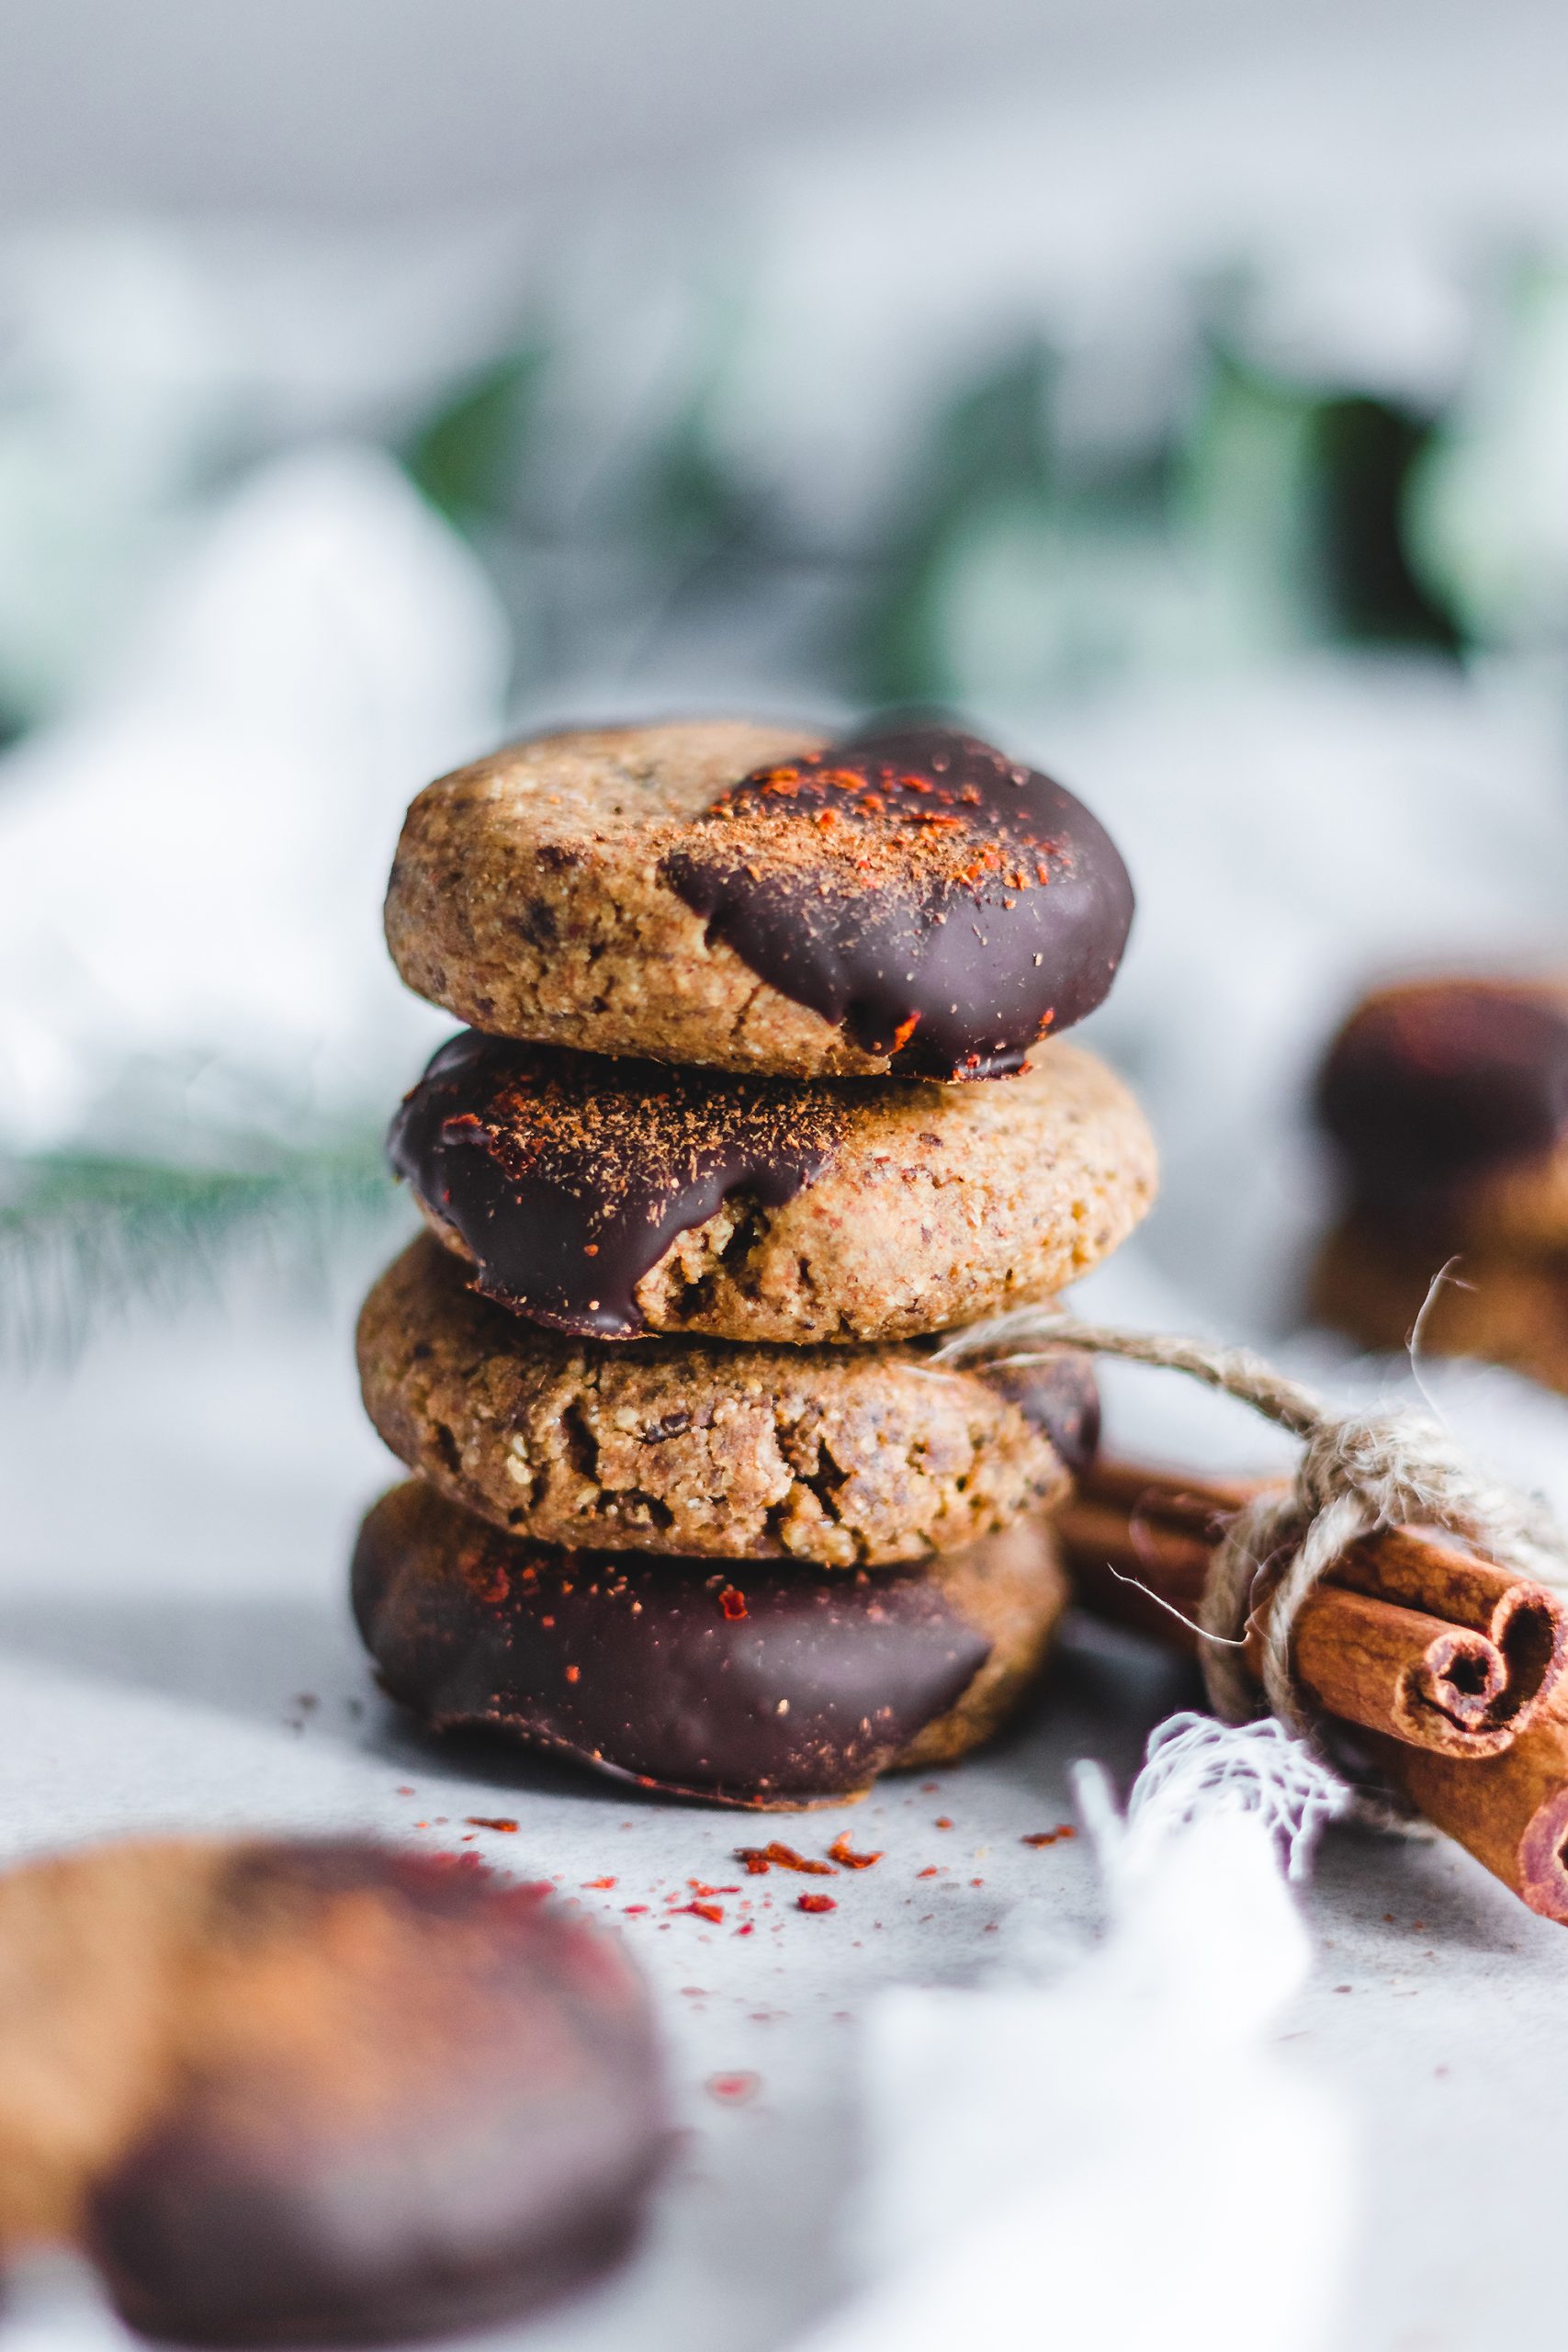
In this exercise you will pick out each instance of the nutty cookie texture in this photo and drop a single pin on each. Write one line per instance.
(844, 1457)
(907, 901)
(610, 1198)
(313, 2092)
(1448, 1103)
(744, 1685)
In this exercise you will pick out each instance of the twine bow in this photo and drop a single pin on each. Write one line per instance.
(1358, 1473)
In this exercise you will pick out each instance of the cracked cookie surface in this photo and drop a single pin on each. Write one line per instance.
(844, 1457)
(611, 1198)
(747, 897)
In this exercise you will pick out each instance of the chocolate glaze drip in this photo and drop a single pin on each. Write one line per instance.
(462, 2130)
(1429, 1088)
(568, 1176)
(945, 906)
(730, 1680)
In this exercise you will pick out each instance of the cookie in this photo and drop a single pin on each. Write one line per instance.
(610, 1198)
(737, 1683)
(845, 1456)
(1448, 1103)
(302, 2093)
(752, 898)
(1499, 1306)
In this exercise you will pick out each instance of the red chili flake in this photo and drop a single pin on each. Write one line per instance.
(759, 1859)
(573, 1673)
(943, 1822)
(631, 1909)
(714, 1911)
(1050, 1836)
(591, 1248)
(733, 2090)
(905, 1031)
(489, 1821)
(814, 1903)
(746, 1930)
(929, 1872)
(598, 1882)
(733, 1604)
(402, 1791)
(930, 1788)
(843, 1853)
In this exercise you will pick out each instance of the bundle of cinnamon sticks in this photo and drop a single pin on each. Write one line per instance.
(1453, 1672)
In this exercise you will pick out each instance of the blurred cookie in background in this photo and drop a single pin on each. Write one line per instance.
(1447, 1104)
(315, 2091)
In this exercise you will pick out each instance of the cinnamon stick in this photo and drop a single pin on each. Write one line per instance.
(1509, 1811)
(1409, 1639)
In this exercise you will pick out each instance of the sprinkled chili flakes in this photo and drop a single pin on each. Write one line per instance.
(714, 1911)
(1050, 1836)
(943, 1822)
(814, 1903)
(733, 2090)
(499, 1821)
(843, 1853)
(598, 1882)
(733, 1604)
(776, 1855)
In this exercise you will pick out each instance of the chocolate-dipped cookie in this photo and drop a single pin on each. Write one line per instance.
(1448, 1103)
(742, 1684)
(302, 2093)
(612, 1198)
(1501, 1306)
(845, 1456)
(907, 899)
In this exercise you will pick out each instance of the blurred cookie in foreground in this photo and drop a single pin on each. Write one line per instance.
(1447, 1102)
(844, 1457)
(907, 901)
(1500, 1306)
(302, 2093)
(610, 1198)
(740, 1684)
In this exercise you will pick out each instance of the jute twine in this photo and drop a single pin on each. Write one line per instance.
(1359, 1471)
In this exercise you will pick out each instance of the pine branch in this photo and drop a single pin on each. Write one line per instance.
(85, 1235)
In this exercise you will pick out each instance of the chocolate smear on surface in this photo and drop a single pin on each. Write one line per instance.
(1429, 1087)
(568, 1176)
(637, 1668)
(945, 906)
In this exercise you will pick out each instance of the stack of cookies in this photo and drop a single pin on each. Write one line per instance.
(1447, 1102)
(759, 1091)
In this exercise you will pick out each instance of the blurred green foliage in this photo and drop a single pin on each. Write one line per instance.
(84, 1233)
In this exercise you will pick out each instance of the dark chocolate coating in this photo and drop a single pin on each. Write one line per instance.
(728, 1680)
(945, 906)
(409, 2100)
(568, 1176)
(1058, 1394)
(1429, 1088)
